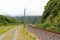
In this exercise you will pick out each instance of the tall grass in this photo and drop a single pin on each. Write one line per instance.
(4, 29)
(25, 35)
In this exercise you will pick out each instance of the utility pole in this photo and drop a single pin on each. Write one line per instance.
(24, 17)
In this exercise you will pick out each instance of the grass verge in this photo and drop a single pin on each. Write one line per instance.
(25, 35)
(4, 29)
(9, 35)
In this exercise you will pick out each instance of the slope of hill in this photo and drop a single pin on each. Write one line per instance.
(51, 16)
(4, 20)
(29, 19)
(32, 19)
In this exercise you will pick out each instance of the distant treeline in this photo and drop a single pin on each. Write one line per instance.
(7, 20)
(4, 20)
(28, 19)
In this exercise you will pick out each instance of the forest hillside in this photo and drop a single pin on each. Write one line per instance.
(51, 16)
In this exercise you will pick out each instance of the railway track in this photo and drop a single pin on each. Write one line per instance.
(43, 34)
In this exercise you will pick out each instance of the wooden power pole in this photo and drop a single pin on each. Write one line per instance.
(24, 17)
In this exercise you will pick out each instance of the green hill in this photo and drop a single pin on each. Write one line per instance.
(51, 16)
(4, 20)
(28, 19)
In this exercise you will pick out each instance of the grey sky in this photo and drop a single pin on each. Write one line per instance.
(16, 7)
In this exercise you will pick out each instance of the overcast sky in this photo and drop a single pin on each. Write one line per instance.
(16, 7)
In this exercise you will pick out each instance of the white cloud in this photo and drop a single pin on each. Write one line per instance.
(16, 7)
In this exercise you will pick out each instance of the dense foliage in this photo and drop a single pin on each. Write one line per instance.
(6, 20)
(51, 10)
(51, 16)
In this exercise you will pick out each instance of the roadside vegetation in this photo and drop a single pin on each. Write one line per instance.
(6, 23)
(9, 34)
(25, 35)
(4, 29)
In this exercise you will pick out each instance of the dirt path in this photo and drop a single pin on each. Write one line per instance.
(9, 35)
(14, 34)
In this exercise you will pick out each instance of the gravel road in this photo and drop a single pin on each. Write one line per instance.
(13, 34)
(10, 35)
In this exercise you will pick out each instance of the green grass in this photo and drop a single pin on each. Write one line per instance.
(9, 35)
(49, 27)
(25, 35)
(4, 29)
